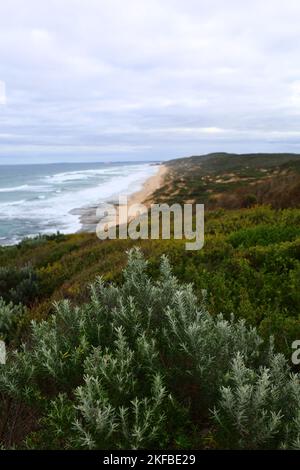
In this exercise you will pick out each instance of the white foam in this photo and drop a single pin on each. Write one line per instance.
(53, 212)
(25, 187)
(12, 203)
(13, 189)
(60, 178)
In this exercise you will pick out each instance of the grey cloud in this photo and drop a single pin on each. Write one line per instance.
(146, 79)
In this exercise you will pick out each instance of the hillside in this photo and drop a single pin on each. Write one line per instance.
(249, 264)
(234, 181)
(133, 341)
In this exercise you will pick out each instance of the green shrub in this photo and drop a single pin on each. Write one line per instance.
(256, 277)
(140, 366)
(264, 235)
(10, 316)
(18, 285)
(249, 200)
(257, 407)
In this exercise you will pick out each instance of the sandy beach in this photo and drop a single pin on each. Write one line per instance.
(89, 217)
(144, 196)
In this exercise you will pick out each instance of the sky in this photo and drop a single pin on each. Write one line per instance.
(94, 80)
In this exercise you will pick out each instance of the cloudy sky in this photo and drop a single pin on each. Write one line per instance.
(147, 79)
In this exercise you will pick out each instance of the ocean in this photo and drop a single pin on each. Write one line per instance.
(38, 199)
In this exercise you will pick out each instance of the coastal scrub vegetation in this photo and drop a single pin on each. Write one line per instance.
(250, 265)
(151, 357)
(233, 181)
(143, 364)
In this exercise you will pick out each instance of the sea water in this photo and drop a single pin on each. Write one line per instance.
(39, 199)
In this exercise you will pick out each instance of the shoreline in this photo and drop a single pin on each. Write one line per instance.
(88, 216)
(154, 182)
